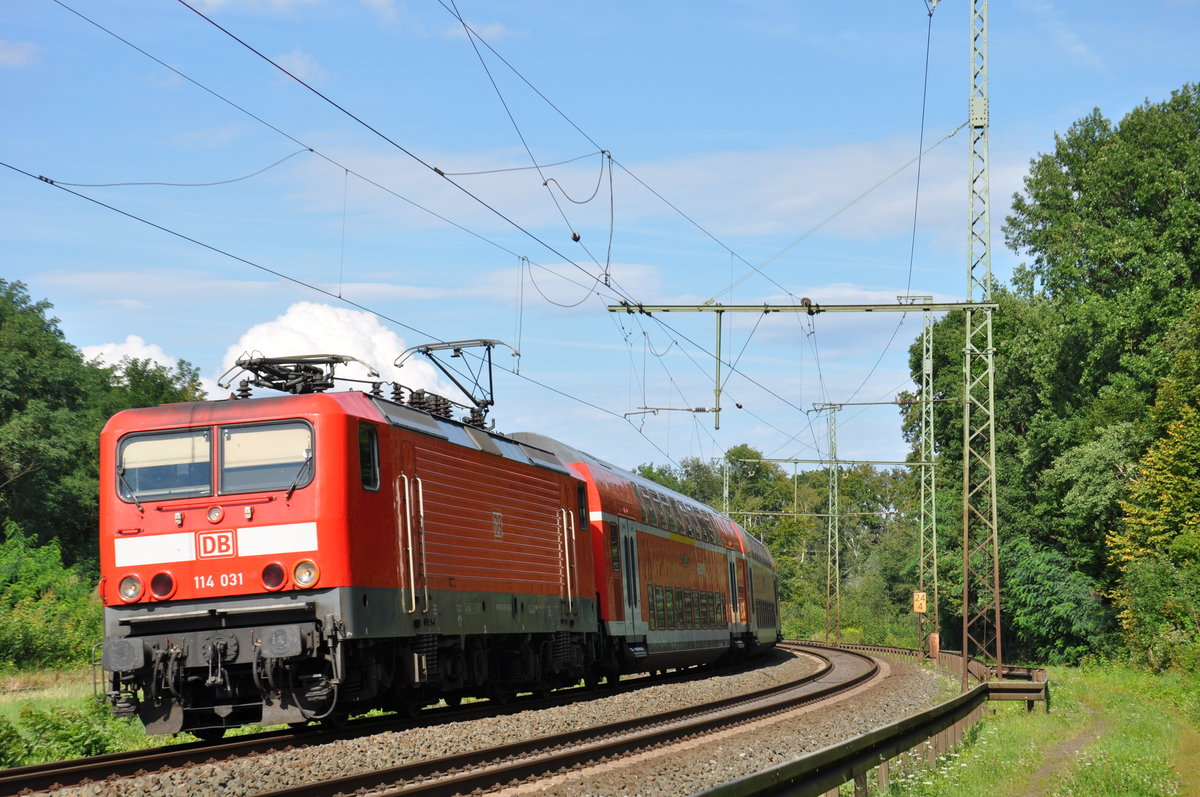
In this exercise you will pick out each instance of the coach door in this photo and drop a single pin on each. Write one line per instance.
(737, 591)
(410, 527)
(634, 625)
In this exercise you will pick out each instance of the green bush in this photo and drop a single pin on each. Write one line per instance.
(58, 734)
(13, 747)
(62, 733)
(49, 614)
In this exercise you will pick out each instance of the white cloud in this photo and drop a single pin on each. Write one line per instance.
(17, 53)
(303, 65)
(386, 9)
(311, 328)
(1063, 33)
(859, 191)
(134, 346)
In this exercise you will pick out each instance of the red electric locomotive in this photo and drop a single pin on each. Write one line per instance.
(303, 557)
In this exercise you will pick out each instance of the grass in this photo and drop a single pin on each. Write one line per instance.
(1112, 730)
(51, 715)
(46, 689)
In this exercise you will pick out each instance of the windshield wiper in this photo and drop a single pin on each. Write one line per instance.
(308, 458)
(129, 487)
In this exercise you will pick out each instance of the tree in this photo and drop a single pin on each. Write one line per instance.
(1157, 549)
(1094, 359)
(52, 407)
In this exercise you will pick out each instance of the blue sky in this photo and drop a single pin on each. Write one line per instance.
(760, 133)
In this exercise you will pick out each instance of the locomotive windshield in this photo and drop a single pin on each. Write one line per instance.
(156, 466)
(165, 465)
(260, 457)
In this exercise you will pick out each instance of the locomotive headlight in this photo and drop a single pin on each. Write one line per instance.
(273, 576)
(162, 585)
(306, 573)
(130, 588)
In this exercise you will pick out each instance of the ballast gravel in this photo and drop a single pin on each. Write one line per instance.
(700, 764)
(715, 759)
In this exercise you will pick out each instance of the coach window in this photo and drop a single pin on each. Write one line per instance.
(638, 491)
(660, 606)
(669, 505)
(266, 456)
(655, 509)
(677, 512)
(650, 605)
(368, 456)
(670, 608)
(154, 467)
(643, 495)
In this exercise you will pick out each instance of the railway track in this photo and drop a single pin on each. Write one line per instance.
(50, 776)
(510, 764)
(482, 769)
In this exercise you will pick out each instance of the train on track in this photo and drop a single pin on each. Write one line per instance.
(302, 557)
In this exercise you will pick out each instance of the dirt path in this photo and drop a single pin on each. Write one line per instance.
(1063, 754)
(1187, 757)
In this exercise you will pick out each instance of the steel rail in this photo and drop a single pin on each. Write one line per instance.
(826, 769)
(40, 777)
(487, 769)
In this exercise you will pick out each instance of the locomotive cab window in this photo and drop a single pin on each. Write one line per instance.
(368, 456)
(152, 467)
(267, 456)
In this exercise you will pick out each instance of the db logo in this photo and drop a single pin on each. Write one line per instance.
(216, 544)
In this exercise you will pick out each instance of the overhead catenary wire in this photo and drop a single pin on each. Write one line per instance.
(509, 169)
(839, 211)
(395, 144)
(313, 287)
(912, 249)
(916, 198)
(318, 153)
(384, 137)
(512, 119)
(619, 291)
(189, 185)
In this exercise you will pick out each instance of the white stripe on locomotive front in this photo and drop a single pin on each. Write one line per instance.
(162, 549)
(287, 538)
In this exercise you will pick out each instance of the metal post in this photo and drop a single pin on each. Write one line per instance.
(981, 561)
(833, 569)
(717, 383)
(928, 556)
(725, 485)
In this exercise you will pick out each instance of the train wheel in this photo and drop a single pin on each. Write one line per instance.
(453, 700)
